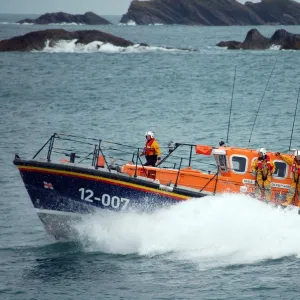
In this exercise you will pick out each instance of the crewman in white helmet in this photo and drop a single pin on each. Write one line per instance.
(151, 150)
(263, 168)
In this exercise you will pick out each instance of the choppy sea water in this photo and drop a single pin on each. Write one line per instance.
(223, 247)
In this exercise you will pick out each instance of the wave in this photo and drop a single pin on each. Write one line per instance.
(275, 47)
(132, 23)
(50, 24)
(64, 46)
(129, 23)
(212, 231)
(8, 23)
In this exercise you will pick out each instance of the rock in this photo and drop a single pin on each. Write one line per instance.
(88, 18)
(36, 40)
(256, 41)
(230, 44)
(212, 12)
(286, 40)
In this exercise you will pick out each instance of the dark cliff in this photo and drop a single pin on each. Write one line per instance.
(88, 18)
(212, 12)
(285, 12)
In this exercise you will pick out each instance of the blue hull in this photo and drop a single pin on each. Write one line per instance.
(61, 190)
(73, 189)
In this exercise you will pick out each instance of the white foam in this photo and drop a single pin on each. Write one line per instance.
(130, 23)
(133, 23)
(64, 23)
(97, 46)
(211, 231)
(49, 24)
(275, 47)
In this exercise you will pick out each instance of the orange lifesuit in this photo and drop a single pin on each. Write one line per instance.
(264, 169)
(295, 186)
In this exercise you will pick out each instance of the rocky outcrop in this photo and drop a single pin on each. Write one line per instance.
(88, 18)
(285, 12)
(36, 40)
(256, 41)
(230, 44)
(212, 12)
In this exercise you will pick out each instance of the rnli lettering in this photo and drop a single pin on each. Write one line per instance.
(248, 181)
(106, 200)
(280, 185)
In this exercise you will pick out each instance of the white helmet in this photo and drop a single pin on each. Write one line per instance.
(297, 152)
(150, 133)
(263, 151)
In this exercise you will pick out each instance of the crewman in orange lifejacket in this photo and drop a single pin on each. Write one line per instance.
(151, 150)
(294, 190)
(263, 168)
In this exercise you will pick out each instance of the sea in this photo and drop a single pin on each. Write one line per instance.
(184, 89)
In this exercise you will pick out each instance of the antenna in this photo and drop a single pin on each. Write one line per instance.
(231, 105)
(261, 102)
(294, 120)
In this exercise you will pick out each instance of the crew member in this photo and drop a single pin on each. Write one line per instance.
(294, 189)
(151, 150)
(263, 168)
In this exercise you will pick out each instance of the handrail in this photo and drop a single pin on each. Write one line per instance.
(50, 147)
(170, 152)
(75, 145)
(209, 182)
(177, 177)
(136, 162)
(43, 147)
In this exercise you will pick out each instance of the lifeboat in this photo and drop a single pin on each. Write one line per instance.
(72, 176)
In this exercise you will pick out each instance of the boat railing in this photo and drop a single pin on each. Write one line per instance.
(86, 150)
(83, 149)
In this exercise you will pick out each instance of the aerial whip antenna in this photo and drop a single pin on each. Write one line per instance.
(294, 120)
(231, 105)
(261, 102)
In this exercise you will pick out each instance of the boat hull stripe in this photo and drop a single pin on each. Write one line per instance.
(102, 179)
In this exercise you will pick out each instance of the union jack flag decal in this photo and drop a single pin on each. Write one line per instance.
(48, 185)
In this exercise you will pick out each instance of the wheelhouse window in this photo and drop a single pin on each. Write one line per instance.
(281, 169)
(239, 164)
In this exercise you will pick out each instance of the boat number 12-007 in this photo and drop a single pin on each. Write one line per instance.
(106, 200)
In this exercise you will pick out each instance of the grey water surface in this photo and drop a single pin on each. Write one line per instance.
(223, 247)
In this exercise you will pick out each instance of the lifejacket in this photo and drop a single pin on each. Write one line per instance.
(148, 150)
(260, 164)
(296, 168)
(296, 171)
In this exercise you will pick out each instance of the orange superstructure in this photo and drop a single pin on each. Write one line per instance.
(232, 173)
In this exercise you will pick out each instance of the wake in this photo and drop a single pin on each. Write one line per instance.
(212, 231)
